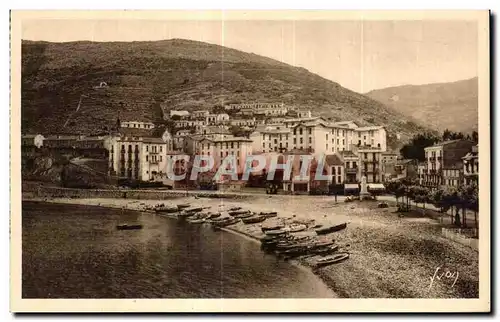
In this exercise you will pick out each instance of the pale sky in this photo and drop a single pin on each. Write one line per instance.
(359, 55)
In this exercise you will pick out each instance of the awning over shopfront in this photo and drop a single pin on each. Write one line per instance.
(351, 186)
(376, 186)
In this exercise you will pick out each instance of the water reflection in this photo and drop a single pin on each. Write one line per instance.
(76, 252)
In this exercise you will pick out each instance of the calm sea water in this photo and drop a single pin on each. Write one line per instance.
(76, 252)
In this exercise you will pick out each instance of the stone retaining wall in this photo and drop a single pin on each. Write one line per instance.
(57, 192)
(462, 236)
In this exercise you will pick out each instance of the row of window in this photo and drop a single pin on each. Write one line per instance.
(140, 125)
(154, 158)
(220, 145)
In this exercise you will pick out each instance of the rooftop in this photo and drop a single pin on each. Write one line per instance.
(333, 159)
(368, 128)
(447, 142)
(347, 154)
(228, 139)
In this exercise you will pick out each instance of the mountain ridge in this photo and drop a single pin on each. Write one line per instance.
(147, 79)
(451, 105)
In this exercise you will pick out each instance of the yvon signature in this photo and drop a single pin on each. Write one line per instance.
(440, 273)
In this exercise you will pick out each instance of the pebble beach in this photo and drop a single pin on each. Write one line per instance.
(390, 256)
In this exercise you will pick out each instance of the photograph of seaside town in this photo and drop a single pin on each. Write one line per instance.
(249, 159)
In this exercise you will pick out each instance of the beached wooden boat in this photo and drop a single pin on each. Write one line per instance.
(228, 222)
(234, 208)
(331, 229)
(196, 221)
(321, 244)
(238, 212)
(242, 216)
(186, 214)
(183, 206)
(276, 232)
(197, 209)
(167, 209)
(269, 214)
(329, 260)
(292, 252)
(213, 216)
(128, 227)
(254, 219)
(272, 227)
(295, 228)
(325, 250)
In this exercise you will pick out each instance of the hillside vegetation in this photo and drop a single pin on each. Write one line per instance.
(452, 106)
(147, 79)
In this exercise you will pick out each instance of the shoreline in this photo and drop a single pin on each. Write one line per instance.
(295, 263)
(391, 257)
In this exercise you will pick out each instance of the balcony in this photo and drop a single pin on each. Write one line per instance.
(154, 161)
(351, 170)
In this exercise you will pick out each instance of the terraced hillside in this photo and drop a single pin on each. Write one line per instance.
(146, 79)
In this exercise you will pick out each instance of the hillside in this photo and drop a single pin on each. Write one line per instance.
(146, 79)
(440, 106)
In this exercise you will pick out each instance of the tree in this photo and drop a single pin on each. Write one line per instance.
(451, 200)
(415, 148)
(238, 131)
(436, 198)
(475, 136)
(397, 188)
(419, 195)
(446, 135)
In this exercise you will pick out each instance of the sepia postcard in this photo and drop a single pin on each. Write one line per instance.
(250, 161)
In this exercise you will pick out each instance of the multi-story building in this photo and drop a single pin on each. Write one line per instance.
(271, 111)
(30, 143)
(196, 124)
(181, 114)
(275, 120)
(335, 169)
(214, 129)
(200, 114)
(32, 140)
(453, 175)
(270, 139)
(253, 106)
(372, 136)
(443, 155)
(351, 167)
(137, 124)
(168, 138)
(370, 162)
(304, 113)
(219, 118)
(315, 135)
(243, 122)
(389, 161)
(471, 166)
(138, 158)
(404, 169)
(421, 172)
(61, 141)
(220, 148)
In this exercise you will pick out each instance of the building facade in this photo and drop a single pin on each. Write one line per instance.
(371, 165)
(138, 158)
(137, 124)
(444, 155)
(32, 140)
(471, 166)
(220, 148)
